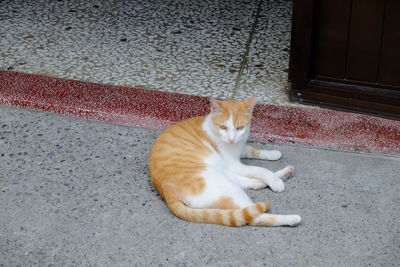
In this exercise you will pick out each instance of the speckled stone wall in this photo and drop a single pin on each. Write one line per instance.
(186, 46)
(155, 109)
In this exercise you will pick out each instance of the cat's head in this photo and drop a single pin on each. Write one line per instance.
(231, 119)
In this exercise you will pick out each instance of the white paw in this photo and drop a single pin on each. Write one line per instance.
(271, 154)
(277, 185)
(288, 172)
(293, 220)
(285, 173)
(257, 185)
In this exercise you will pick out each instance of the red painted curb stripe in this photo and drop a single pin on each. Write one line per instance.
(153, 109)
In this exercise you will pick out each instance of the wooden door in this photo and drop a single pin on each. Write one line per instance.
(346, 54)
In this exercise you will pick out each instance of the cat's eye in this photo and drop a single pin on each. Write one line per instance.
(240, 128)
(223, 127)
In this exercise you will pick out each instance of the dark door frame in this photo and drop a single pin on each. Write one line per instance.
(363, 97)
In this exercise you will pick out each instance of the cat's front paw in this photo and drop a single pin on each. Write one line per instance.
(271, 154)
(277, 185)
(294, 220)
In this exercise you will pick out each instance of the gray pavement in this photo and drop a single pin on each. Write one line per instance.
(77, 193)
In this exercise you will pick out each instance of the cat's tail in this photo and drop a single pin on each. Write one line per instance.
(227, 217)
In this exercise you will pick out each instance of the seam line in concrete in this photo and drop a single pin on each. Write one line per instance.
(245, 57)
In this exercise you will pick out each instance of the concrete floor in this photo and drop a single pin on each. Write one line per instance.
(77, 193)
(225, 49)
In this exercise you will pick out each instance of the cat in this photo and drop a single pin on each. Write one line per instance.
(195, 166)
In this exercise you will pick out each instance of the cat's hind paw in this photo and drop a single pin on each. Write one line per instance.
(277, 185)
(285, 173)
(257, 185)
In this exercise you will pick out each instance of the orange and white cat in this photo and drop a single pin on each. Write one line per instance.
(195, 166)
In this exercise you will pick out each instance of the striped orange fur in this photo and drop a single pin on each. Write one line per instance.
(187, 166)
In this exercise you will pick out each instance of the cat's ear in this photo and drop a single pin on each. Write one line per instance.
(250, 104)
(215, 106)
